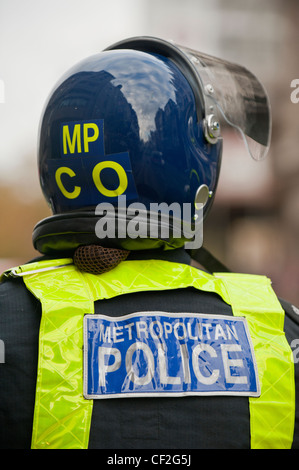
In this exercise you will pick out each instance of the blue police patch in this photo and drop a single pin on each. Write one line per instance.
(167, 354)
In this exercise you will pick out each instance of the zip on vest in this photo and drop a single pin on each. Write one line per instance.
(62, 416)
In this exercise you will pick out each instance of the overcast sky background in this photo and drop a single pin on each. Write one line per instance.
(39, 41)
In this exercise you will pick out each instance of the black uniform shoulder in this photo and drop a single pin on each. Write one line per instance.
(291, 329)
(15, 298)
(291, 321)
(20, 314)
(291, 310)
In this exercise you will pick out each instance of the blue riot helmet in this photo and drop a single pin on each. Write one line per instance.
(131, 136)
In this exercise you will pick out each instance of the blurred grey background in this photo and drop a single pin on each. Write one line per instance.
(254, 224)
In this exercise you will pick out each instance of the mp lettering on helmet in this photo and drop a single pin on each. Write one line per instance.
(83, 174)
(82, 137)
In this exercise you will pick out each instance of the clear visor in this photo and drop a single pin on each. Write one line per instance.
(231, 94)
(236, 97)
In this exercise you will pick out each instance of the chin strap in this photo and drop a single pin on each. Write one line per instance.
(208, 261)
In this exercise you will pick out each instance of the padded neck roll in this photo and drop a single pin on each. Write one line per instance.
(63, 233)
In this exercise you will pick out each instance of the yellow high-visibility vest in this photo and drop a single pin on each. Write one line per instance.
(62, 415)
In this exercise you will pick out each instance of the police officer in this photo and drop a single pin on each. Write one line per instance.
(112, 339)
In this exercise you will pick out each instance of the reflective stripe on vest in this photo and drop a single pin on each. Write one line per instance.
(62, 416)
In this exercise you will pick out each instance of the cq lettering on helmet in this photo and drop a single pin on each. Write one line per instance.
(123, 180)
(68, 171)
(86, 139)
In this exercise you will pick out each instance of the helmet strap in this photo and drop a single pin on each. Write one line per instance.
(207, 260)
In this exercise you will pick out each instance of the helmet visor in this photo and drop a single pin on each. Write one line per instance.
(234, 94)
(226, 90)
